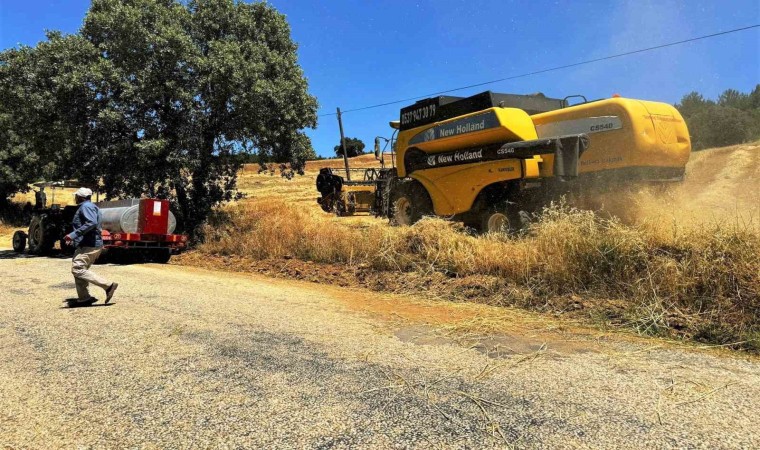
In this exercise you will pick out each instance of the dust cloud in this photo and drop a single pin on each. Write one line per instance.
(721, 186)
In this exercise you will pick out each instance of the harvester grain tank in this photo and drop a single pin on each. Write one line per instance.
(486, 159)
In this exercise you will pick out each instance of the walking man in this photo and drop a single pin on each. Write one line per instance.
(89, 245)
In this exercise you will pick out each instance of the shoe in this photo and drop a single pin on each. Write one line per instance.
(110, 291)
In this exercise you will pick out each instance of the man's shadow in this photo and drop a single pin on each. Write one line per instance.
(71, 303)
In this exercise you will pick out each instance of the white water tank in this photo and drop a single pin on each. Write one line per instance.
(122, 216)
(120, 220)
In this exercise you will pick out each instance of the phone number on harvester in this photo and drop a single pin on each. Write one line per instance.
(418, 114)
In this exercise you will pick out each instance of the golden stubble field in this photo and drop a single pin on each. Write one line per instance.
(721, 184)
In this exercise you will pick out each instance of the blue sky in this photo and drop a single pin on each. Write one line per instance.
(359, 53)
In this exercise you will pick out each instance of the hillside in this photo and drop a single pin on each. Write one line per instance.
(358, 162)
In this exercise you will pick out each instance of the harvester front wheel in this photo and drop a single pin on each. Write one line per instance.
(410, 202)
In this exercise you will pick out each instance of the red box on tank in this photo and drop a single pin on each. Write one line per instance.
(153, 217)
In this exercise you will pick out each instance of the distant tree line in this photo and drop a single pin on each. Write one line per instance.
(733, 119)
(161, 98)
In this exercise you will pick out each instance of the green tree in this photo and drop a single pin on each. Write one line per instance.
(692, 103)
(157, 97)
(195, 84)
(45, 100)
(734, 119)
(719, 126)
(354, 147)
(18, 165)
(734, 99)
(754, 98)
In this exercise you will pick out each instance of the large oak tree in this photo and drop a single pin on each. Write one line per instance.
(160, 96)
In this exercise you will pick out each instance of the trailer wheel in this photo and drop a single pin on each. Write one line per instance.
(161, 256)
(41, 238)
(409, 203)
(19, 241)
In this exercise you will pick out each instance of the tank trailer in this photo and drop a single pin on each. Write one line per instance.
(130, 228)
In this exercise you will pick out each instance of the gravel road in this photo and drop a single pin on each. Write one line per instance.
(187, 358)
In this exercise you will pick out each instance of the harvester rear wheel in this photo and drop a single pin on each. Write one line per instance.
(19, 241)
(503, 218)
(409, 203)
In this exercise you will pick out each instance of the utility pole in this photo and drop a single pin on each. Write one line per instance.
(343, 144)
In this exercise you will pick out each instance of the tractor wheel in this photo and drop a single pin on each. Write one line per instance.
(340, 208)
(327, 202)
(41, 239)
(19, 241)
(502, 218)
(409, 203)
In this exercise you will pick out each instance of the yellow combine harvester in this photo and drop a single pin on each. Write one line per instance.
(485, 159)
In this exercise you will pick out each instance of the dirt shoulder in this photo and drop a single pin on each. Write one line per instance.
(473, 304)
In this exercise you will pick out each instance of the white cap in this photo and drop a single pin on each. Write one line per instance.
(83, 192)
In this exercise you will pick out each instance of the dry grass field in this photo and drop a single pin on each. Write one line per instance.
(682, 261)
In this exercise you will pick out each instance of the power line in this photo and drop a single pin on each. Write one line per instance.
(551, 69)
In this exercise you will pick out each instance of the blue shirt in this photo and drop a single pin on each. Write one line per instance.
(86, 223)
